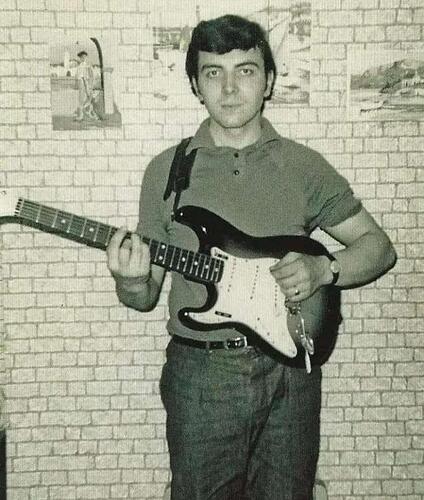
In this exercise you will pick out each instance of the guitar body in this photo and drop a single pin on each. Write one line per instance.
(247, 298)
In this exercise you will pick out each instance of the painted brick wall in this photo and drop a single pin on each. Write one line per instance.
(81, 371)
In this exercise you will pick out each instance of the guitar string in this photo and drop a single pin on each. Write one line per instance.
(34, 210)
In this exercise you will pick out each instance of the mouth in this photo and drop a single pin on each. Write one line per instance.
(231, 105)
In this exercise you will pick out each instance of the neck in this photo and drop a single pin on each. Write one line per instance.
(237, 137)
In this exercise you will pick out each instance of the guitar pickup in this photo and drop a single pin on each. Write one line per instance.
(225, 315)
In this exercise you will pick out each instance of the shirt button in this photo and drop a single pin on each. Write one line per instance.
(236, 155)
(236, 172)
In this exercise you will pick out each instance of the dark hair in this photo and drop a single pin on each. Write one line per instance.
(223, 34)
(82, 53)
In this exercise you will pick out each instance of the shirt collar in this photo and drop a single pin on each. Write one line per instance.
(203, 138)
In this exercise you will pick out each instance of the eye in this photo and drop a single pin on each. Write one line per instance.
(246, 71)
(212, 73)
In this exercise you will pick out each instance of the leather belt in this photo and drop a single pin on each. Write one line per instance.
(237, 343)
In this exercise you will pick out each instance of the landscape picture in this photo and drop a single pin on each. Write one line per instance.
(385, 85)
(287, 22)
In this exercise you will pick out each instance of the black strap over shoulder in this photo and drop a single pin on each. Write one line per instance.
(179, 173)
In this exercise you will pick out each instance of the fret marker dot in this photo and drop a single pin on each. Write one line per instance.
(183, 259)
(162, 246)
(195, 263)
(160, 257)
(63, 221)
(91, 229)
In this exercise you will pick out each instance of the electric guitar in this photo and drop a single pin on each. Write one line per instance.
(232, 265)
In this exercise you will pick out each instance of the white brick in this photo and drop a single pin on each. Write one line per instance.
(37, 18)
(101, 20)
(65, 19)
(61, 5)
(403, 33)
(9, 18)
(370, 34)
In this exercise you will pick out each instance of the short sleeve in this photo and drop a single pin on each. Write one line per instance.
(330, 199)
(152, 223)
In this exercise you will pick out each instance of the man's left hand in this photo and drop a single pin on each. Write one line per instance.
(300, 275)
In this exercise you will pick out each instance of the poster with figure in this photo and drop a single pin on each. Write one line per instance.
(287, 22)
(385, 85)
(81, 85)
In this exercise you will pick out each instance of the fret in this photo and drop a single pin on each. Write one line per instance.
(184, 260)
(43, 217)
(89, 230)
(194, 263)
(220, 270)
(189, 262)
(68, 229)
(169, 256)
(215, 271)
(102, 234)
(161, 255)
(63, 219)
(151, 244)
(212, 268)
(55, 218)
(157, 251)
(83, 228)
(198, 264)
(172, 257)
(201, 266)
(187, 259)
(166, 253)
(177, 259)
(97, 230)
(75, 226)
(208, 262)
(109, 235)
(37, 218)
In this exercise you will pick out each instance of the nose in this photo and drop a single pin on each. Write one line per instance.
(229, 84)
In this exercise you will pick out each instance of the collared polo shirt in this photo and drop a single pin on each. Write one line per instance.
(270, 188)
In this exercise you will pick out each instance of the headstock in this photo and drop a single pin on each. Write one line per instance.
(8, 202)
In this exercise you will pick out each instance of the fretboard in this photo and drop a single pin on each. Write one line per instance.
(194, 265)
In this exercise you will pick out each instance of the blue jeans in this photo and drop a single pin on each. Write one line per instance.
(240, 425)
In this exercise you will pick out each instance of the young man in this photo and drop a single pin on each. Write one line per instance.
(85, 82)
(242, 421)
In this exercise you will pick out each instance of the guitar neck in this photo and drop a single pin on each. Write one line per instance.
(194, 265)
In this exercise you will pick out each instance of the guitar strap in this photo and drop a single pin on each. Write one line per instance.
(179, 173)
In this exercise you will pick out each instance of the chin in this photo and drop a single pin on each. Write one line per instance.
(232, 121)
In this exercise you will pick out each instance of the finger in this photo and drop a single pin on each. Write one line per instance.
(136, 253)
(113, 249)
(287, 272)
(145, 258)
(291, 284)
(289, 259)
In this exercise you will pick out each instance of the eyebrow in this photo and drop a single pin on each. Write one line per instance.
(245, 63)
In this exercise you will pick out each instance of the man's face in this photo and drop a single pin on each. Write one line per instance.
(233, 86)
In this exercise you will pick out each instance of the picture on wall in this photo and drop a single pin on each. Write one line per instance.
(287, 22)
(385, 85)
(81, 85)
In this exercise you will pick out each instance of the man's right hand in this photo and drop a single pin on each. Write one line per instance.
(128, 258)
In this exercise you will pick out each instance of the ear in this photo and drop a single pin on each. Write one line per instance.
(269, 84)
(196, 90)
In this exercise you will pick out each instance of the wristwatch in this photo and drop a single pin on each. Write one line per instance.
(334, 268)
